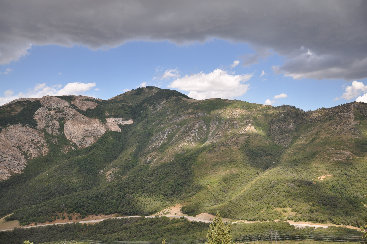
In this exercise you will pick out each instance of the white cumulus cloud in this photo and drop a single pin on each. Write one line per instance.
(40, 90)
(275, 98)
(356, 89)
(143, 84)
(75, 88)
(170, 73)
(281, 95)
(362, 99)
(268, 102)
(216, 84)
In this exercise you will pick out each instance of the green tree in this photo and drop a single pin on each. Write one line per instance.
(364, 237)
(27, 242)
(219, 232)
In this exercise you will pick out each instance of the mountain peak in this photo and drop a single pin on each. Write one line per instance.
(140, 94)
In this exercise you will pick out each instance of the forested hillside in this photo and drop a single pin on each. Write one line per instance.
(150, 148)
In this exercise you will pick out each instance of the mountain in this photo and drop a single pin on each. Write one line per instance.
(150, 148)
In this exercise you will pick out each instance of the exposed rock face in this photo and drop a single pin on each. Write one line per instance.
(53, 109)
(30, 141)
(190, 134)
(54, 102)
(47, 120)
(20, 143)
(84, 103)
(79, 129)
(11, 160)
(112, 124)
(17, 144)
(83, 131)
(217, 130)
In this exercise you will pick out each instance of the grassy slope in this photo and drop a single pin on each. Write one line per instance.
(198, 153)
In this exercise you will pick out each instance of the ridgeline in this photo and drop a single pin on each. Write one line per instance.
(150, 148)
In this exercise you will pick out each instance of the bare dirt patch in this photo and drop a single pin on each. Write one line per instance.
(205, 216)
(318, 225)
(8, 225)
(173, 210)
(323, 177)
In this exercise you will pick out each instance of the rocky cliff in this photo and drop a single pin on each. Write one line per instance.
(55, 117)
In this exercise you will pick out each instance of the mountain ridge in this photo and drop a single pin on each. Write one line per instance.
(249, 161)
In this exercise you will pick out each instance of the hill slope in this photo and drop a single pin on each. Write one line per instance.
(149, 148)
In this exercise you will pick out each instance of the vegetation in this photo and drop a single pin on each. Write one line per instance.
(137, 229)
(284, 231)
(19, 113)
(245, 160)
(364, 236)
(219, 232)
(155, 230)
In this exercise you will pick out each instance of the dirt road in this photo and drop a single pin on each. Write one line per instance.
(171, 212)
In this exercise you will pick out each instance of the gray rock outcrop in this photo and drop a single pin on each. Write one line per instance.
(84, 103)
(56, 117)
(17, 144)
(83, 131)
(112, 124)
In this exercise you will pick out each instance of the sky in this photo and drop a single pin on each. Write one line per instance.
(305, 53)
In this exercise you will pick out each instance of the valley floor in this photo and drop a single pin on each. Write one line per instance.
(171, 212)
(255, 242)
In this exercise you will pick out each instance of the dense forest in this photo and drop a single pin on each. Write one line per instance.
(154, 230)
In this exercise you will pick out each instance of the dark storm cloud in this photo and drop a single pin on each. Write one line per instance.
(318, 38)
(254, 58)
